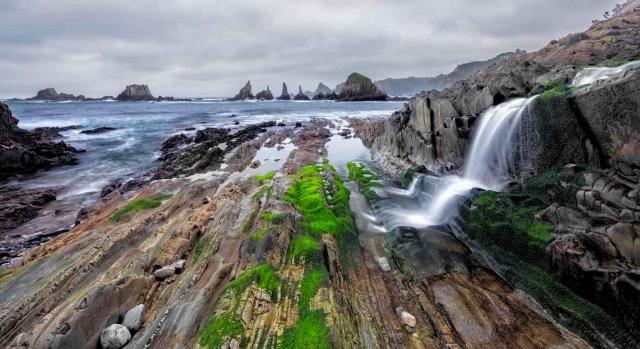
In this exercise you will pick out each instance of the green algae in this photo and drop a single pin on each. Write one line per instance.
(261, 179)
(365, 179)
(139, 205)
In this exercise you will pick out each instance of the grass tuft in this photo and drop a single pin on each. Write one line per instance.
(265, 177)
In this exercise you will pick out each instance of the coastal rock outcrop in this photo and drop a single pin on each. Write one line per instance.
(50, 94)
(134, 93)
(323, 92)
(265, 95)
(23, 152)
(360, 88)
(244, 93)
(301, 96)
(284, 96)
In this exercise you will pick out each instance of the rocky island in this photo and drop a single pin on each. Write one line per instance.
(360, 88)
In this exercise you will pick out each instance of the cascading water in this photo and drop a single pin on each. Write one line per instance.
(488, 166)
(590, 75)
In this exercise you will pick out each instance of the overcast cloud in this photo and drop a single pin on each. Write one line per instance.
(210, 48)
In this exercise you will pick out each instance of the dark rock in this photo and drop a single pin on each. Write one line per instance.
(244, 93)
(301, 96)
(284, 96)
(50, 94)
(18, 206)
(175, 141)
(360, 88)
(54, 132)
(98, 130)
(281, 124)
(205, 153)
(298, 124)
(265, 95)
(134, 93)
(23, 152)
(322, 89)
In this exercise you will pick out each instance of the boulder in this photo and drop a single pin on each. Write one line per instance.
(134, 93)
(114, 337)
(301, 96)
(284, 96)
(179, 265)
(360, 88)
(164, 272)
(265, 95)
(244, 93)
(133, 318)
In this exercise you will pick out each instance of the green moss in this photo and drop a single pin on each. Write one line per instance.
(556, 89)
(265, 177)
(218, 329)
(309, 286)
(557, 185)
(323, 203)
(200, 247)
(138, 205)
(504, 224)
(365, 179)
(609, 40)
(273, 217)
(303, 245)
(309, 332)
(260, 233)
(229, 324)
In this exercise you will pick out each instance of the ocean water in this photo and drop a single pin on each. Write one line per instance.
(142, 127)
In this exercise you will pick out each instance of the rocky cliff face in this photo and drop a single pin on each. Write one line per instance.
(23, 152)
(360, 88)
(133, 93)
(265, 95)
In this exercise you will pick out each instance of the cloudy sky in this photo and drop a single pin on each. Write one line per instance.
(210, 48)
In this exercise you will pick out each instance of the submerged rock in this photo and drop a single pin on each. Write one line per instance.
(360, 88)
(284, 96)
(133, 93)
(301, 96)
(244, 93)
(114, 337)
(98, 130)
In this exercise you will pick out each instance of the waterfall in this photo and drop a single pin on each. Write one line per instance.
(488, 166)
(588, 76)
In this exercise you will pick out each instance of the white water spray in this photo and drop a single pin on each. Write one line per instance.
(590, 75)
(488, 166)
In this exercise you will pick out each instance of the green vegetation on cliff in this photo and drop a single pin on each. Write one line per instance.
(139, 205)
(261, 179)
(504, 224)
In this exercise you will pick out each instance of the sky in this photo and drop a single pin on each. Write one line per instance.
(206, 48)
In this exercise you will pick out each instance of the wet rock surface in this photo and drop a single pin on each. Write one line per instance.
(98, 130)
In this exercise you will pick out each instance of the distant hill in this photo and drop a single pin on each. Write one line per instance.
(412, 85)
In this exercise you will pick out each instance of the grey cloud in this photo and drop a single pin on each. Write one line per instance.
(209, 48)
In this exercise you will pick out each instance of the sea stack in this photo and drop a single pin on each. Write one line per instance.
(284, 96)
(265, 95)
(360, 88)
(324, 92)
(244, 93)
(301, 96)
(134, 93)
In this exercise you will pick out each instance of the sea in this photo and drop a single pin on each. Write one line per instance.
(141, 127)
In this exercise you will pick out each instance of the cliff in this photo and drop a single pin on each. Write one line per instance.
(414, 85)
(244, 93)
(301, 96)
(265, 95)
(284, 96)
